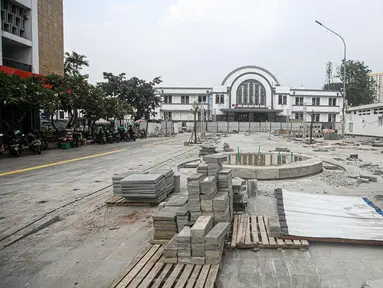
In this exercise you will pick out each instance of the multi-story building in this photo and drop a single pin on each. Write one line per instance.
(32, 36)
(378, 78)
(32, 42)
(254, 94)
(365, 120)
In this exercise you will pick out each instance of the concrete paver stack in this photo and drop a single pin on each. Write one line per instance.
(116, 179)
(225, 184)
(144, 188)
(239, 193)
(193, 185)
(200, 244)
(164, 223)
(169, 177)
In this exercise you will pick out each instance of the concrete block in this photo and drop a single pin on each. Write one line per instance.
(170, 253)
(161, 205)
(215, 158)
(222, 216)
(208, 185)
(220, 202)
(207, 206)
(194, 196)
(198, 247)
(185, 260)
(274, 227)
(217, 233)
(183, 246)
(198, 260)
(184, 235)
(201, 227)
(213, 253)
(173, 260)
(197, 240)
(172, 244)
(198, 253)
(177, 183)
(370, 178)
(208, 196)
(184, 253)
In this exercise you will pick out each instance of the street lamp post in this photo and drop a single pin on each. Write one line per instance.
(344, 71)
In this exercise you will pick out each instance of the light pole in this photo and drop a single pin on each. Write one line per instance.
(344, 71)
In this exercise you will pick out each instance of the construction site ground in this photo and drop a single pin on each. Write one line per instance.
(91, 244)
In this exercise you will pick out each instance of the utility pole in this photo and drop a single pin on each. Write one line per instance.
(344, 72)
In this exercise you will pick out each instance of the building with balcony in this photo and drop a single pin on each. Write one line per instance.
(251, 93)
(32, 42)
(32, 36)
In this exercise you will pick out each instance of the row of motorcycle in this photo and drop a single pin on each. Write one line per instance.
(18, 141)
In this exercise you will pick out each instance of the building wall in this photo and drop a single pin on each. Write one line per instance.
(378, 77)
(365, 120)
(51, 36)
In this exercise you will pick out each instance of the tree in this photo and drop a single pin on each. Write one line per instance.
(138, 93)
(334, 86)
(360, 87)
(74, 62)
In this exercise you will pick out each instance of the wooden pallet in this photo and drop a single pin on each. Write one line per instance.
(148, 270)
(251, 232)
(117, 200)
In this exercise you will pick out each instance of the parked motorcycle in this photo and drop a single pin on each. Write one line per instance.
(16, 143)
(142, 133)
(2, 146)
(35, 144)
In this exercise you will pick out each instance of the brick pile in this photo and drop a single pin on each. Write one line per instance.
(193, 185)
(201, 244)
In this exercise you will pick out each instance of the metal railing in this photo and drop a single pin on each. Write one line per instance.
(17, 65)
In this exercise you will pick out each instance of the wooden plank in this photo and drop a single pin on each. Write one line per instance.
(202, 276)
(254, 229)
(146, 269)
(185, 276)
(153, 273)
(241, 231)
(212, 276)
(247, 234)
(129, 277)
(272, 240)
(264, 238)
(280, 243)
(194, 276)
(173, 276)
(297, 243)
(289, 243)
(132, 263)
(235, 230)
(162, 276)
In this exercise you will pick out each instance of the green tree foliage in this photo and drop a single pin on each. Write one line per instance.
(360, 87)
(138, 93)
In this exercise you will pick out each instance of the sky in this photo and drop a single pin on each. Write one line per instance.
(198, 42)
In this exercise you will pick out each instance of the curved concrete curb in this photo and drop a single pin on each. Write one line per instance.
(298, 169)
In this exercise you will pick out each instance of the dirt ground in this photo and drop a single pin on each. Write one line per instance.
(91, 244)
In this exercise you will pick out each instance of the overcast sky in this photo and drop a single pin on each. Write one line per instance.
(198, 42)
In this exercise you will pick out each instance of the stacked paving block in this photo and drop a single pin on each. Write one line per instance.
(144, 188)
(202, 168)
(200, 244)
(208, 190)
(221, 210)
(239, 194)
(193, 185)
(170, 251)
(164, 223)
(182, 213)
(207, 149)
(215, 242)
(199, 230)
(183, 217)
(169, 177)
(214, 163)
(184, 246)
(274, 227)
(225, 184)
(118, 177)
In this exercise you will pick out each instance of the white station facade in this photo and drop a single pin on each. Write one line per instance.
(251, 94)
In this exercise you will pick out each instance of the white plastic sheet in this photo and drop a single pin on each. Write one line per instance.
(329, 216)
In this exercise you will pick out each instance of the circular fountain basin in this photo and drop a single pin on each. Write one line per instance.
(272, 166)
